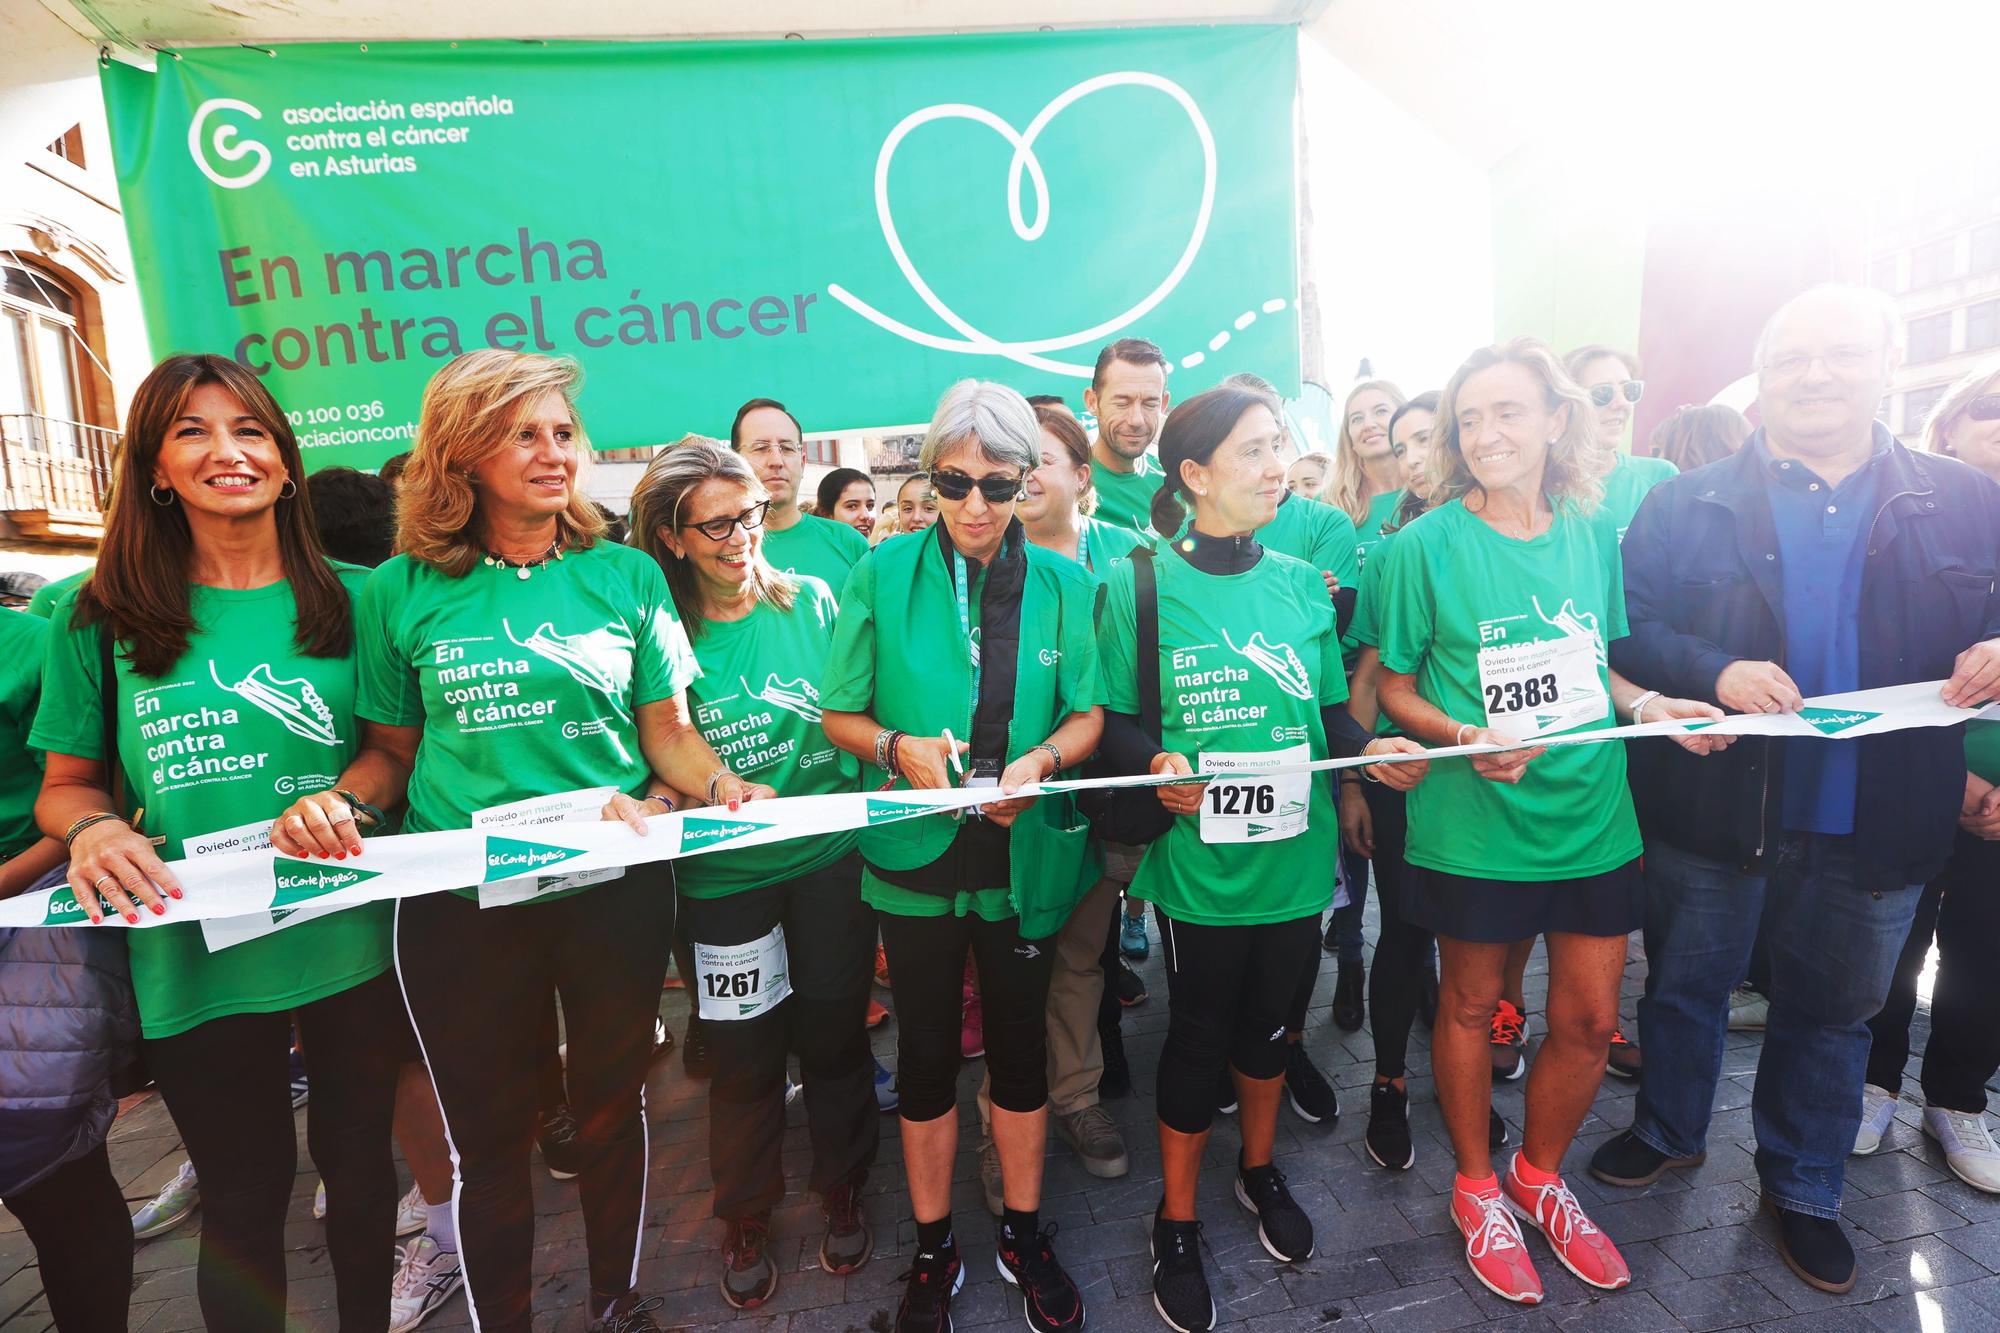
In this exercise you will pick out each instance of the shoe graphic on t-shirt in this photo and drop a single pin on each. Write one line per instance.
(794, 696)
(293, 702)
(1278, 661)
(1577, 624)
(562, 649)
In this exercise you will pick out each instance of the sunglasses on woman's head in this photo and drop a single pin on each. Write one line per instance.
(1602, 394)
(997, 490)
(718, 529)
(1986, 407)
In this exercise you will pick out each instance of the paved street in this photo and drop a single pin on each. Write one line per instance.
(1388, 1261)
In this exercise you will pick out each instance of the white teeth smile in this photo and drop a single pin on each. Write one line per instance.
(231, 483)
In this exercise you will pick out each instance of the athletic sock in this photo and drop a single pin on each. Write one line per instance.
(1531, 1175)
(441, 1226)
(934, 1236)
(1018, 1227)
(1478, 1189)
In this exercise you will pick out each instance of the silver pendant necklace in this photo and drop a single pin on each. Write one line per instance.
(522, 569)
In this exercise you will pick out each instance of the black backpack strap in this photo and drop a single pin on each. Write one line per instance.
(1146, 608)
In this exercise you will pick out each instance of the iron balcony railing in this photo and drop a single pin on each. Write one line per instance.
(47, 463)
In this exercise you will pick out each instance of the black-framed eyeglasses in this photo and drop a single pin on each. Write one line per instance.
(957, 486)
(1986, 407)
(1602, 394)
(718, 529)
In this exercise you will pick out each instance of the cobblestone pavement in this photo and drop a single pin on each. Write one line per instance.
(1702, 1256)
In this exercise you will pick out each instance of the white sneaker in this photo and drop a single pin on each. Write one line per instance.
(1968, 1147)
(426, 1277)
(412, 1214)
(1878, 1111)
(170, 1207)
(1748, 1011)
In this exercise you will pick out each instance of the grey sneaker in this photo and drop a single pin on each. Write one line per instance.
(1095, 1138)
(989, 1177)
(170, 1207)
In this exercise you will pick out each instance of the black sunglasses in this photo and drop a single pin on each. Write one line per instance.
(718, 529)
(997, 490)
(1986, 407)
(1602, 394)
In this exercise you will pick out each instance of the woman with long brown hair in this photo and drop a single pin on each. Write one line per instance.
(230, 643)
(508, 654)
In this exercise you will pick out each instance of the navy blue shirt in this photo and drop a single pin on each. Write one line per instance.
(1820, 532)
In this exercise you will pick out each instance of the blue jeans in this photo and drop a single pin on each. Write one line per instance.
(1835, 930)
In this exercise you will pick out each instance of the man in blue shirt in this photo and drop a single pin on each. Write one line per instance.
(1824, 557)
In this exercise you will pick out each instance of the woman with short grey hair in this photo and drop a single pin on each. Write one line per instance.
(967, 656)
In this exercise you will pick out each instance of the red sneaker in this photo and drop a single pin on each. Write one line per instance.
(878, 1014)
(1509, 1039)
(881, 967)
(1579, 1245)
(1494, 1248)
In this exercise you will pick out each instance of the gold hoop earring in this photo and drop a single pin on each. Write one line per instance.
(153, 493)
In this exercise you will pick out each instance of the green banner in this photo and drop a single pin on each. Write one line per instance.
(845, 225)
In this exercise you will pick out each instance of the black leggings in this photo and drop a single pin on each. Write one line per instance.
(927, 978)
(1962, 907)
(830, 957)
(227, 1084)
(1402, 950)
(1229, 990)
(477, 982)
(75, 1218)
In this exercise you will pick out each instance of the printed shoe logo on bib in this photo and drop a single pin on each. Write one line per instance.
(1541, 687)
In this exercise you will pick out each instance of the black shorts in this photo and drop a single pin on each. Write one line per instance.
(1501, 911)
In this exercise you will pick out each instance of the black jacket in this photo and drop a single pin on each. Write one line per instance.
(1704, 588)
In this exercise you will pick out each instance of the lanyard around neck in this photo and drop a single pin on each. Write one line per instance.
(964, 582)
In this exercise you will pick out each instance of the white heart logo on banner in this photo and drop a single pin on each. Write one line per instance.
(973, 341)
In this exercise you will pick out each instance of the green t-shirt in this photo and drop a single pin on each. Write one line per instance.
(228, 737)
(1627, 485)
(21, 647)
(758, 704)
(1126, 498)
(1362, 630)
(819, 547)
(1321, 535)
(1246, 662)
(1381, 512)
(1462, 609)
(1982, 749)
(523, 687)
(900, 654)
(43, 603)
(1106, 545)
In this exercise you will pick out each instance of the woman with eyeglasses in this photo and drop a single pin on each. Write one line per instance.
(1611, 380)
(1366, 476)
(790, 909)
(1496, 611)
(1249, 674)
(966, 657)
(1961, 906)
(512, 663)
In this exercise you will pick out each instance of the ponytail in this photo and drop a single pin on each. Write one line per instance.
(1168, 513)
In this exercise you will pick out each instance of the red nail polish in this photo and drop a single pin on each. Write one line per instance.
(131, 918)
(175, 892)
(159, 909)
(340, 855)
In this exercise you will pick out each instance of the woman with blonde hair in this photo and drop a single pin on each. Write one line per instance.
(510, 661)
(1367, 481)
(1496, 610)
(761, 638)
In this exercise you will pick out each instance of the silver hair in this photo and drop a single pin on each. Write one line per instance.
(1878, 303)
(990, 415)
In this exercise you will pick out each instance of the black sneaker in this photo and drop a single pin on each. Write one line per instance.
(1225, 1094)
(1311, 1096)
(1116, 1080)
(1347, 997)
(1816, 1249)
(848, 1241)
(1131, 990)
(556, 1137)
(1630, 1161)
(1282, 1226)
(1496, 1130)
(628, 1315)
(932, 1279)
(1180, 1287)
(1053, 1302)
(695, 1057)
(749, 1278)
(1388, 1137)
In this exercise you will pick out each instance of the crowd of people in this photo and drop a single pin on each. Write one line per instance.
(261, 658)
